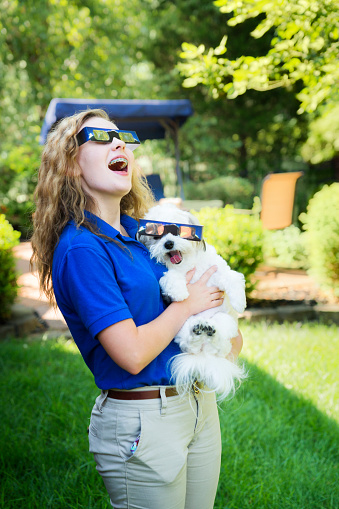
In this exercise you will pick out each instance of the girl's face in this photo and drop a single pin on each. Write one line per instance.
(101, 163)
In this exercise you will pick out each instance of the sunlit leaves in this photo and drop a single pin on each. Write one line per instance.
(304, 47)
(59, 48)
(323, 141)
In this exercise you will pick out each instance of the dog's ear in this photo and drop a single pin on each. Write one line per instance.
(141, 238)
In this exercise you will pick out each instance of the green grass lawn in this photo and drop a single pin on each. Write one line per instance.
(280, 432)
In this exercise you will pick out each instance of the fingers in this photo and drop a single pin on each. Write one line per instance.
(206, 275)
(216, 302)
(204, 278)
(189, 275)
(215, 289)
(217, 295)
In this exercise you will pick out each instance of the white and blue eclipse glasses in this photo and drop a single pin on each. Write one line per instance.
(103, 135)
(158, 229)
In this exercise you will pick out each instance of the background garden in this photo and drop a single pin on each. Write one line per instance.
(263, 81)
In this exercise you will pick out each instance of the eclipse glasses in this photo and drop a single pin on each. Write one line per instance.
(102, 135)
(158, 229)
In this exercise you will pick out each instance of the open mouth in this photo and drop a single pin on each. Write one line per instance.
(118, 164)
(175, 257)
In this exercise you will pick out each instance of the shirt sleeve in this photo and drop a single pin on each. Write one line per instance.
(89, 286)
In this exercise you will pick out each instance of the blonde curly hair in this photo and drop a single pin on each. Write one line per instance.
(59, 196)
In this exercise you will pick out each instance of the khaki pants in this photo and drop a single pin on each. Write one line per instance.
(177, 461)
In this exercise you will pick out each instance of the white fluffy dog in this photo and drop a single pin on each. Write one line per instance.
(204, 338)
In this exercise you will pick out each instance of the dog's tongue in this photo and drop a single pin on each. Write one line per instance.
(175, 257)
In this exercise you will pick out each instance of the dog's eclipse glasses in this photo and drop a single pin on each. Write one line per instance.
(160, 228)
(102, 135)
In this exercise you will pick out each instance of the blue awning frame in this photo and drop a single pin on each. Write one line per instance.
(151, 119)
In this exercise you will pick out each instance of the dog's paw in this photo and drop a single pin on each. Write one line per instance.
(194, 334)
(203, 335)
(201, 328)
(238, 302)
(235, 290)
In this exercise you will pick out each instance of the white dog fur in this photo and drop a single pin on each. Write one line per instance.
(205, 338)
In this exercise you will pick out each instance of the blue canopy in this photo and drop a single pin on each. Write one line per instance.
(149, 118)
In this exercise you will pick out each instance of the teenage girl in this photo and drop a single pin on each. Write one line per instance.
(153, 448)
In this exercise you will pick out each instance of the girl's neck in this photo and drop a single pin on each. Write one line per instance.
(110, 213)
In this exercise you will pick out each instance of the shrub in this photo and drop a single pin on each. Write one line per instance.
(321, 225)
(18, 167)
(285, 248)
(238, 238)
(8, 285)
(231, 190)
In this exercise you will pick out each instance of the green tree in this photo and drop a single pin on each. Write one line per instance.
(249, 136)
(301, 58)
(115, 49)
(59, 48)
(303, 49)
(323, 139)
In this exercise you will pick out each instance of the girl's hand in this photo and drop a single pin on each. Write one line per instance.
(201, 296)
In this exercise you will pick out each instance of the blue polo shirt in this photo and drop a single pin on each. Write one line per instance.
(98, 283)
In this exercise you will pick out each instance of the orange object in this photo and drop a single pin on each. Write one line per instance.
(277, 199)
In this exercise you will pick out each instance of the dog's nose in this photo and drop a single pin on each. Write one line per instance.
(169, 244)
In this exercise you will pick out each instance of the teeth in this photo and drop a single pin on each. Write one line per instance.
(118, 164)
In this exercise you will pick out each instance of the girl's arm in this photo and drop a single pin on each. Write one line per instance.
(237, 344)
(133, 348)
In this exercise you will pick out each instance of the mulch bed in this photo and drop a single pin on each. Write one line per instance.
(279, 287)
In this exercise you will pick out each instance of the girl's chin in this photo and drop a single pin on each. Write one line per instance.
(123, 191)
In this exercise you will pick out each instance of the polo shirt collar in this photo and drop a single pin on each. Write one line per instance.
(130, 225)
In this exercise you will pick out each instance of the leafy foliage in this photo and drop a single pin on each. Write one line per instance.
(58, 49)
(321, 222)
(113, 49)
(238, 238)
(285, 248)
(323, 140)
(8, 285)
(231, 190)
(246, 137)
(302, 58)
(304, 46)
(19, 168)
(82, 60)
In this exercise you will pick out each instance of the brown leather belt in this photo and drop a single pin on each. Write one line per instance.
(134, 395)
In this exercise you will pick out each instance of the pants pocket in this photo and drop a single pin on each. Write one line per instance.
(102, 432)
(161, 454)
(128, 432)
